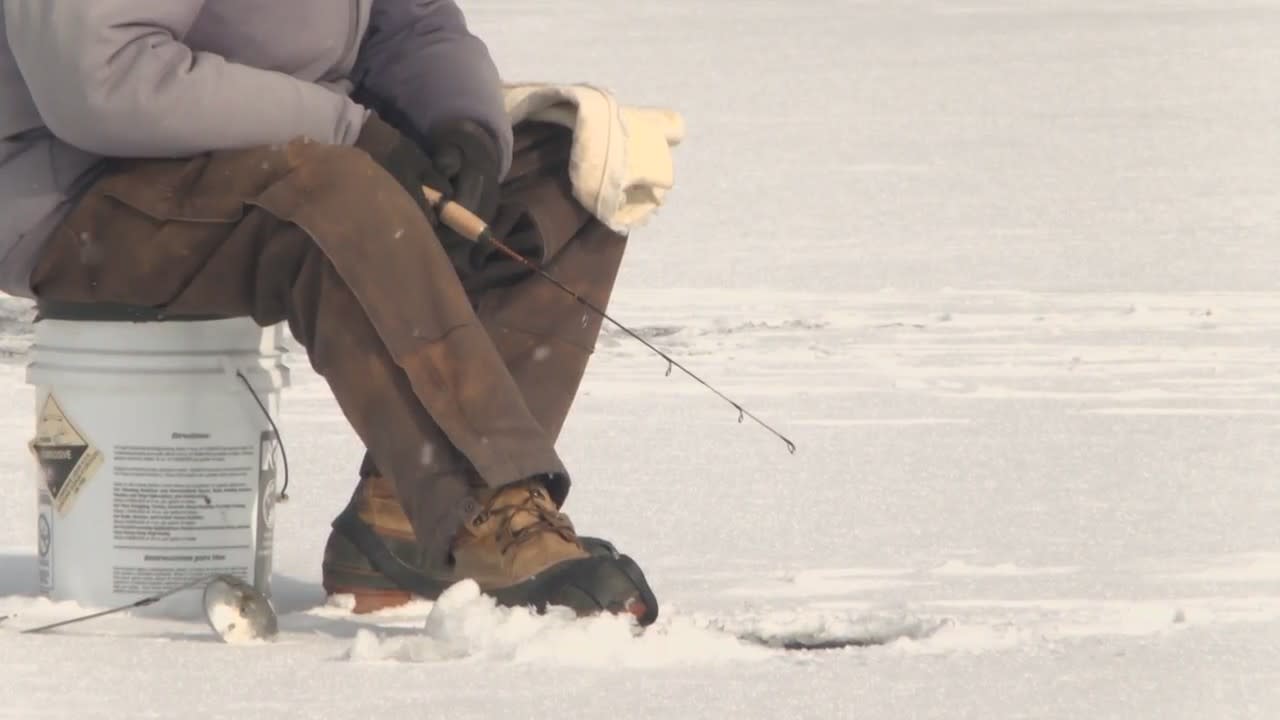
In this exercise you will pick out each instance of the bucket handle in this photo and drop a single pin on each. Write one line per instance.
(283, 495)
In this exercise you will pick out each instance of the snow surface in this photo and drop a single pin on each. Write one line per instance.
(1005, 271)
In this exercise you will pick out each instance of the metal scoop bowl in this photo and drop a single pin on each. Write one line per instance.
(237, 612)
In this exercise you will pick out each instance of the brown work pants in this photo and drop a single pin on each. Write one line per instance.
(456, 371)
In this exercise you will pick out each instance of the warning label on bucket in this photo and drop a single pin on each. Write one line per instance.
(175, 512)
(267, 502)
(44, 541)
(149, 580)
(183, 508)
(67, 460)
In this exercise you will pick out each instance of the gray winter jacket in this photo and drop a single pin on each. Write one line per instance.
(81, 80)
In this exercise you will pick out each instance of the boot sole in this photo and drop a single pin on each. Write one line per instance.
(371, 601)
(588, 586)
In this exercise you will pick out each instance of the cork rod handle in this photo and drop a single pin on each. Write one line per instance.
(458, 218)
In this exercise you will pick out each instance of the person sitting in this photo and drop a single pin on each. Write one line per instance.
(226, 158)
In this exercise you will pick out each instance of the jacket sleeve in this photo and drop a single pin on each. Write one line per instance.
(113, 77)
(420, 57)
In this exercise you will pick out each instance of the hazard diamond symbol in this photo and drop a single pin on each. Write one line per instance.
(67, 459)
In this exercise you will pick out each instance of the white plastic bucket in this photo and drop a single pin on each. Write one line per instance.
(155, 464)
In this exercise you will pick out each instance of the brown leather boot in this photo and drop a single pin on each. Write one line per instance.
(518, 534)
(520, 549)
(348, 571)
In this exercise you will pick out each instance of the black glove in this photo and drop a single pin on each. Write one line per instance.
(467, 155)
(403, 159)
(461, 161)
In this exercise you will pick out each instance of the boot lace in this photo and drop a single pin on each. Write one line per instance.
(545, 520)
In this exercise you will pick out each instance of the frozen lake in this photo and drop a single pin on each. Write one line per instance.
(1007, 274)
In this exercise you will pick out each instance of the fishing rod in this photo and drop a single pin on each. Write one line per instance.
(471, 227)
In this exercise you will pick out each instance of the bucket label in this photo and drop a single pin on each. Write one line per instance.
(67, 460)
(44, 540)
(183, 505)
(267, 509)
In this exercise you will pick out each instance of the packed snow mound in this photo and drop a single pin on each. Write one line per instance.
(466, 624)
